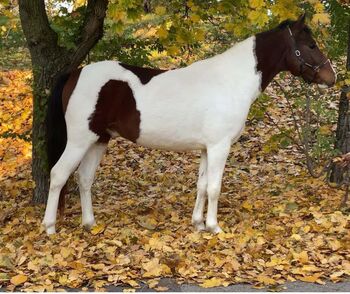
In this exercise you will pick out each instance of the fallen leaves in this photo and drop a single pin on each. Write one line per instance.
(97, 229)
(214, 282)
(18, 280)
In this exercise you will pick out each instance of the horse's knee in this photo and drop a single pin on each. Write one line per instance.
(57, 179)
(213, 190)
(202, 184)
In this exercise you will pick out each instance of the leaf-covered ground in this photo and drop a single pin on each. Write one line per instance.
(279, 223)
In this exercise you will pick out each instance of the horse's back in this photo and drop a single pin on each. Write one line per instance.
(182, 109)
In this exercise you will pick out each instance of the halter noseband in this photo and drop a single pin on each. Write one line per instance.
(315, 68)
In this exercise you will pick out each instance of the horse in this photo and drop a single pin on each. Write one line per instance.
(203, 107)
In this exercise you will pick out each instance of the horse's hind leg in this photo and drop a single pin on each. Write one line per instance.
(86, 172)
(58, 177)
(197, 215)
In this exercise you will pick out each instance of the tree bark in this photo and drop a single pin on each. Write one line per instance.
(343, 127)
(49, 61)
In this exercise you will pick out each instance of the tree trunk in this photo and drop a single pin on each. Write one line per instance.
(49, 61)
(343, 127)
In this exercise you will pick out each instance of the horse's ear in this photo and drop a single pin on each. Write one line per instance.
(300, 23)
(301, 19)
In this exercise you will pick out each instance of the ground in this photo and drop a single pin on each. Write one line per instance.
(280, 224)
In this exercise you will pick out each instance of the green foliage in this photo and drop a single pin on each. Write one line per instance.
(68, 26)
(340, 24)
(280, 140)
(259, 108)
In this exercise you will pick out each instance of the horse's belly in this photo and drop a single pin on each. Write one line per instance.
(168, 135)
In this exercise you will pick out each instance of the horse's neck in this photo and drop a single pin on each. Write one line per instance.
(238, 65)
(270, 50)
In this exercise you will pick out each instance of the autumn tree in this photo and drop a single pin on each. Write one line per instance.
(343, 126)
(49, 60)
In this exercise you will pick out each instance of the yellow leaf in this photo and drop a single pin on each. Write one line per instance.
(160, 10)
(296, 237)
(195, 17)
(173, 50)
(65, 252)
(79, 3)
(258, 17)
(303, 257)
(266, 280)
(213, 282)
(256, 3)
(162, 33)
(63, 280)
(321, 18)
(98, 229)
(325, 130)
(336, 276)
(311, 279)
(132, 283)
(334, 244)
(306, 229)
(318, 7)
(19, 279)
(247, 205)
(152, 268)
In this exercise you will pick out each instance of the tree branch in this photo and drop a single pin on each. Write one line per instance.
(36, 27)
(91, 31)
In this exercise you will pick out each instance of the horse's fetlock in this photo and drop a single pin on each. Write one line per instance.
(49, 227)
(198, 223)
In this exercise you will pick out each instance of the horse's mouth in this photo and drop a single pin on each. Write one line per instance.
(323, 86)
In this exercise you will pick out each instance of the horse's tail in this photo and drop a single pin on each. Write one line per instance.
(56, 131)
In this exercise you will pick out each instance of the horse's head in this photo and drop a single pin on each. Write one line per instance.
(304, 58)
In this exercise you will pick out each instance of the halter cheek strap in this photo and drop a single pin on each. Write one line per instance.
(315, 68)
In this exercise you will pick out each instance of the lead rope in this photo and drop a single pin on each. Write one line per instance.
(304, 145)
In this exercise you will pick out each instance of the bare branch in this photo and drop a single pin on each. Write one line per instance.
(91, 32)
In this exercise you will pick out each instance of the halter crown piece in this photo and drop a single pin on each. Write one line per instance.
(315, 68)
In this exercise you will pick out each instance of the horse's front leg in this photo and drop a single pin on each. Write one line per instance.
(197, 216)
(217, 155)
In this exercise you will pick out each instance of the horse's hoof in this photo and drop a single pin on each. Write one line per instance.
(88, 225)
(50, 230)
(214, 229)
(199, 226)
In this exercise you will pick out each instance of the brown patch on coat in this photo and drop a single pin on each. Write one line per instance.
(115, 111)
(69, 87)
(143, 73)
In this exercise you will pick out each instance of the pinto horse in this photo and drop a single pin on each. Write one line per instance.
(203, 106)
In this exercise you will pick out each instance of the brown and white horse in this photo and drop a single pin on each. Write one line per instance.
(203, 106)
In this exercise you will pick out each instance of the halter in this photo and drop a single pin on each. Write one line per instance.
(315, 68)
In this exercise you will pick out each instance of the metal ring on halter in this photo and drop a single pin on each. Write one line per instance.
(297, 53)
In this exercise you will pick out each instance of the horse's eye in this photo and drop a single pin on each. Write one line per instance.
(312, 46)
